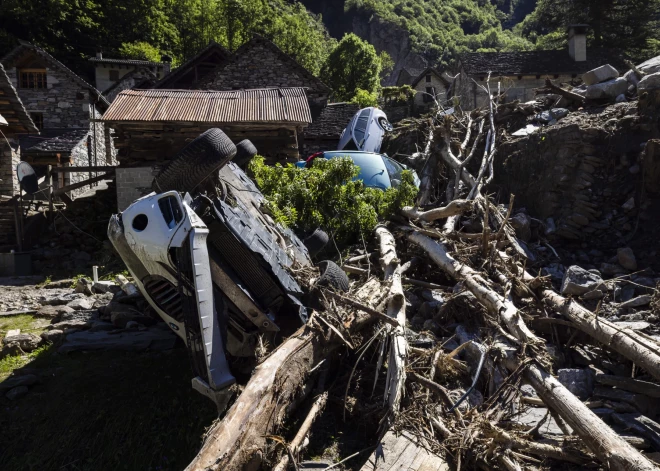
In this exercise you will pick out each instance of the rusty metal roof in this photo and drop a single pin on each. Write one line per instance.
(266, 105)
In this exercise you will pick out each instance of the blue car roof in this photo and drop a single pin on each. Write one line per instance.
(373, 171)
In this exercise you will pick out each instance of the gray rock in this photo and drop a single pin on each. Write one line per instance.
(610, 89)
(649, 82)
(612, 269)
(413, 302)
(154, 338)
(102, 327)
(528, 390)
(55, 336)
(432, 326)
(621, 99)
(71, 326)
(54, 312)
(433, 296)
(11, 349)
(629, 205)
(639, 301)
(578, 381)
(593, 295)
(84, 286)
(121, 318)
(16, 393)
(626, 258)
(417, 322)
(27, 342)
(578, 281)
(522, 224)
(80, 316)
(428, 310)
(60, 300)
(555, 270)
(600, 74)
(631, 77)
(60, 284)
(635, 325)
(651, 66)
(104, 287)
(16, 381)
(83, 304)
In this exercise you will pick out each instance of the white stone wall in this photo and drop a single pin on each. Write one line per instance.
(132, 183)
(102, 73)
(435, 83)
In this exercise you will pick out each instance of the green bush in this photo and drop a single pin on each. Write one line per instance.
(327, 196)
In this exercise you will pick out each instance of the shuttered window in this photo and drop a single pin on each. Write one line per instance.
(32, 78)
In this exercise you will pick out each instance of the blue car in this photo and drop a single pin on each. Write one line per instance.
(376, 170)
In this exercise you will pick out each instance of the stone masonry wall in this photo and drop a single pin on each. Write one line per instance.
(64, 103)
(132, 183)
(9, 159)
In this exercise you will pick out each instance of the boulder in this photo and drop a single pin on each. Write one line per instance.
(121, 318)
(522, 224)
(600, 74)
(11, 349)
(67, 283)
(651, 66)
(85, 316)
(626, 258)
(578, 381)
(578, 281)
(631, 77)
(54, 312)
(621, 99)
(16, 393)
(610, 89)
(55, 336)
(104, 287)
(71, 326)
(27, 342)
(84, 286)
(60, 300)
(649, 82)
(81, 304)
(643, 300)
(612, 269)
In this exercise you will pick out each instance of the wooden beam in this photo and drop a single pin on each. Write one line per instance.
(99, 168)
(75, 186)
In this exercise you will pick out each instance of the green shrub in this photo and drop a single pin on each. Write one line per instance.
(327, 196)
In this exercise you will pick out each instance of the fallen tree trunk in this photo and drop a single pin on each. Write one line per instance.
(452, 209)
(480, 287)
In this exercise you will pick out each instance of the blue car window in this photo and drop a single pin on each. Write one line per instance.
(361, 127)
(373, 171)
(394, 169)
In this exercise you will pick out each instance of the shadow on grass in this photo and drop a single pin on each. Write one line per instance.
(105, 411)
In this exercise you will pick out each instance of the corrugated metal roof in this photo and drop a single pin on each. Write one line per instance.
(266, 105)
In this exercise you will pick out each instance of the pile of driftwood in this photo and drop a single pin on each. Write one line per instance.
(485, 348)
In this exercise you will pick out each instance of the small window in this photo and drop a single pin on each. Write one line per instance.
(171, 211)
(32, 78)
(114, 75)
(428, 78)
(38, 120)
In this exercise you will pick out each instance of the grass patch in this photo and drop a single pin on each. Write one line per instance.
(10, 363)
(105, 411)
(25, 322)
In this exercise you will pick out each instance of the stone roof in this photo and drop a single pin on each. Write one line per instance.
(11, 107)
(332, 121)
(213, 49)
(25, 46)
(60, 144)
(126, 62)
(538, 62)
(424, 73)
(407, 75)
(140, 77)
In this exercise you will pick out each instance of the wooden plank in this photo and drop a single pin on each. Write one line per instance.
(99, 168)
(400, 453)
(75, 186)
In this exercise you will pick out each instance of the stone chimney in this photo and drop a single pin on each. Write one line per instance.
(99, 53)
(167, 63)
(577, 42)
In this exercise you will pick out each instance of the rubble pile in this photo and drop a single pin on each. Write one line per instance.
(90, 317)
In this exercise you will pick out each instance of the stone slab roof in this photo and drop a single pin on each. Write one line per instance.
(424, 73)
(538, 62)
(63, 143)
(126, 62)
(12, 109)
(25, 46)
(332, 121)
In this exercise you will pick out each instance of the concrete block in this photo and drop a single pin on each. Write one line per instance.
(600, 74)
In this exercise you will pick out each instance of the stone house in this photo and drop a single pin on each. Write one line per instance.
(188, 74)
(261, 64)
(59, 102)
(152, 126)
(14, 122)
(139, 78)
(324, 133)
(519, 73)
(107, 72)
(430, 85)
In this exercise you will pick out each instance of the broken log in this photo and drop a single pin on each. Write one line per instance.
(630, 384)
(557, 90)
(454, 208)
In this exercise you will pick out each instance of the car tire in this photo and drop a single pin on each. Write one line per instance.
(332, 276)
(195, 162)
(316, 241)
(385, 124)
(245, 150)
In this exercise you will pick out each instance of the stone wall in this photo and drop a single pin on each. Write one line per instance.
(64, 103)
(9, 159)
(472, 96)
(583, 176)
(132, 183)
(422, 100)
(261, 66)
